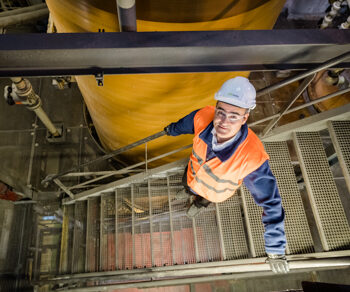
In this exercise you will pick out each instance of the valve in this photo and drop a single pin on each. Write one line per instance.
(8, 95)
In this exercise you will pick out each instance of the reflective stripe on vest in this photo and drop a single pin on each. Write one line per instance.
(215, 180)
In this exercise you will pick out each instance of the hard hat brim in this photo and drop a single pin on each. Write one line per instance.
(235, 102)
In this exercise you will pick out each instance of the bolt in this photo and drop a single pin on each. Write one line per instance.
(36, 144)
(81, 125)
(32, 133)
(68, 130)
(85, 138)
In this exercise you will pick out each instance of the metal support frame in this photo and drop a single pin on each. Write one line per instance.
(169, 52)
(88, 227)
(314, 123)
(321, 99)
(150, 219)
(116, 245)
(101, 247)
(133, 226)
(310, 261)
(195, 239)
(171, 221)
(222, 244)
(180, 164)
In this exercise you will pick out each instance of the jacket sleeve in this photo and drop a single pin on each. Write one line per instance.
(183, 126)
(262, 185)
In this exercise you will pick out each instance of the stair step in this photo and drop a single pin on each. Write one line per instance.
(255, 227)
(328, 211)
(340, 134)
(299, 239)
(235, 243)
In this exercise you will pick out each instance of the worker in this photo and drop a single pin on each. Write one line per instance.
(226, 153)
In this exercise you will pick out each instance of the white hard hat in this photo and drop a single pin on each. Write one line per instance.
(237, 91)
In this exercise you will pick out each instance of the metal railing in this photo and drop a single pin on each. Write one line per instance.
(308, 75)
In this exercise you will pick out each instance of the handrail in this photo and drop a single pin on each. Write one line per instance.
(260, 92)
(50, 178)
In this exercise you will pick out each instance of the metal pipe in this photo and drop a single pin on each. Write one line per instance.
(126, 15)
(46, 121)
(340, 92)
(23, 10)
(25, 94)
(292, 79)
(20, 18)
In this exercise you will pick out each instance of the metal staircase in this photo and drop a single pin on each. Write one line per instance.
(135, 223)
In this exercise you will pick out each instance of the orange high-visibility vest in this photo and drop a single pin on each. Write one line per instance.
(215, 180)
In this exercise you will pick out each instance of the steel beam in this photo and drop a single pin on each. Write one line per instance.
(168, 52)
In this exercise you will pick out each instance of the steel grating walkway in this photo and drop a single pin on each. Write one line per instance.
(297, 230)
(329, 214)
(141, 225)
(340, 134)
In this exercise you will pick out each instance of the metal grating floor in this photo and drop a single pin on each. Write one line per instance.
(235, 243)
(297, 230)
(255, 227)
(327, 208)
(340, 134)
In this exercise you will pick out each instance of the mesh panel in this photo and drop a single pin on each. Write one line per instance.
(184, 250)
(124, 243)
(161, 237)
(142, 232)
(207, 235)
(328, 211)
(93, 235)
(340, 133)
(78, 263)
(232, 227)
(297, 230)
(254, 224)
(107, 247)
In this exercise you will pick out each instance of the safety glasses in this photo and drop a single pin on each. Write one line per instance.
(221, 114)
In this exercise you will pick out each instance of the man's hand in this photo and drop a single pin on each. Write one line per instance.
(278, 263)
(167, 130)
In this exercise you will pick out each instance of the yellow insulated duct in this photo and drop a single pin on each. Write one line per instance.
(130, 107)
